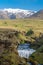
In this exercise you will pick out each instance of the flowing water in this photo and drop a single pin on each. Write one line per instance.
(24, 50)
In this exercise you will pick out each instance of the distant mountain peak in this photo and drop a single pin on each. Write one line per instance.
(38, 15)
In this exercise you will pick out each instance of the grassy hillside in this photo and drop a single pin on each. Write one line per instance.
(8, 48)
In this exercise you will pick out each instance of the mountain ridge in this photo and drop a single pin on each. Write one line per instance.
(20, 13)
(15, 13)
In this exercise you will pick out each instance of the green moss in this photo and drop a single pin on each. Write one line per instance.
(30, 32)
(38, 55)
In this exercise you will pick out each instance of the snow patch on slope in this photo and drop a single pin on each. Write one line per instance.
(10, 10)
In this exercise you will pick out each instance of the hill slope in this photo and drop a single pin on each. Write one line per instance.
(38, 15)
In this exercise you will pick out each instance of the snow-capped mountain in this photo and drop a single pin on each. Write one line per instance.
(18, 11)
(15, 13)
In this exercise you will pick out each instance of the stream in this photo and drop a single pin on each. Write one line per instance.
(24, 50)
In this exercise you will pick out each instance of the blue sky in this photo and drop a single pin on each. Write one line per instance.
(22, 4)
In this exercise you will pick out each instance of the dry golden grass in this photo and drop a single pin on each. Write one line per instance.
(23, 24)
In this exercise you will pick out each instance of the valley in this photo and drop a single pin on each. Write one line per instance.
(20, 31)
